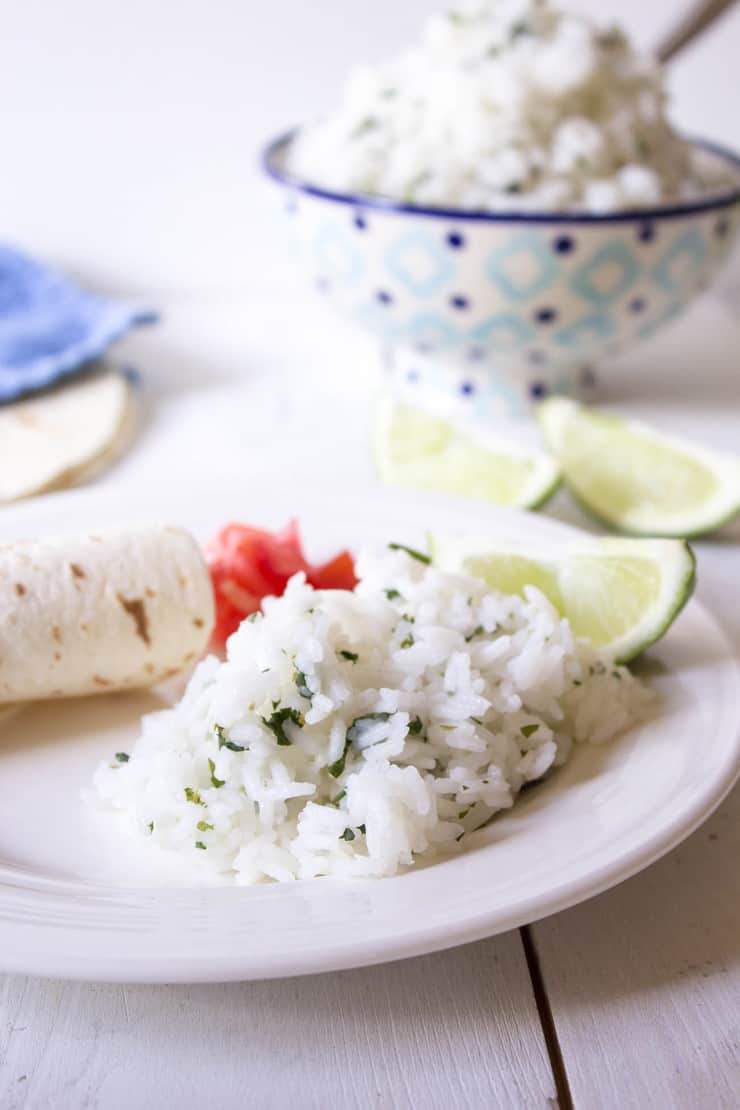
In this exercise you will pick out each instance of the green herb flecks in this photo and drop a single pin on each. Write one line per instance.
(276, 723)
(519, 30)
(643, 148)
(194, 796)
(408, 641)
(418, 555)
(254, 617)
(392, 595)
(336, 768)
(301, 685)
(415, 726)
(122, 757)
(528, 730)
(369, 123)
(347, 835)
(150, 826)
(350, 656)
(361, 828)
(359, 726)
(337, 800)
(476, 632)
(201, 845)
(214, 781)
(224, 742)
(203, 826)
(354, 734)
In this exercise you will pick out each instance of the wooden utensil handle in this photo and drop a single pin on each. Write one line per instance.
(699, 16)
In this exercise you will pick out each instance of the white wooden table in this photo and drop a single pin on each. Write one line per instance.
(630, 1000)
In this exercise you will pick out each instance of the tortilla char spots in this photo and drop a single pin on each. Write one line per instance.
(136, 609)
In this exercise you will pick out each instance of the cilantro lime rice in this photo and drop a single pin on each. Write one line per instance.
(350, 733)
(509, 105)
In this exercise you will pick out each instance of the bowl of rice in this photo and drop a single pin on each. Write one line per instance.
(506, 203)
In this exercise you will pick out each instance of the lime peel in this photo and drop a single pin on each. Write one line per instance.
(621, 594)
(636, 479)
(417, 449)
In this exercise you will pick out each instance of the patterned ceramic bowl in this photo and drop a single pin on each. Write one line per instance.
(500, 309)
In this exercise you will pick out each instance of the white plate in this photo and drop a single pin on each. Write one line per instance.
(608, 813)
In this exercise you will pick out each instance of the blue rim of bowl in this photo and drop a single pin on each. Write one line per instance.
(271, 166)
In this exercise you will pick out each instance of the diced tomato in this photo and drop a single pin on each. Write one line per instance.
(248, 564)
(338, 574)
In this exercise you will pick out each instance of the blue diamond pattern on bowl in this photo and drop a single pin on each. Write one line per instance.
(431, 331)
(337, 256)
(593, 328)
(682, 261)
(607, 274)
(504, 332)
(507, 307)
(419, 263)
(523, 267)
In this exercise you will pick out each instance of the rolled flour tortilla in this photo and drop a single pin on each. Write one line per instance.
(106, 611)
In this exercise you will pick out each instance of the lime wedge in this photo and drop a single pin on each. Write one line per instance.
(637, 479)
(621, 594)
(414, 448)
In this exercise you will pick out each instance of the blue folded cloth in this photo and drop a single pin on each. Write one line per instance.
(49, 327)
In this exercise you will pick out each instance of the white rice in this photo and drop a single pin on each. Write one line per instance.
(509, 105)
(412, 710)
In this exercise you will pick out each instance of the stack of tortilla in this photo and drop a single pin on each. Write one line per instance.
(61, 437)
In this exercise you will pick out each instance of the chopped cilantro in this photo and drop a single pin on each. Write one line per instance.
(194, 796)
(276, 722)
(354, 733)
(350, 656)
(369, 123)
(122, 757)
(336, 768)
(150, 826)
(418, 555)
(301, 685)
(407, 641)
(361, 828)
(347, 835)
(337, 800)
(476, 632)
(201, 845)
(392, 595)
(518, 30)
(358, 726)
(528, 730)
(447, 728)
(203, 826)
(253, 617)
(214, 780)
(415, 726)
(224, 742)
(476, 720)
